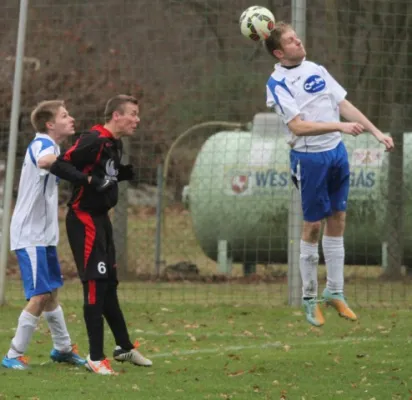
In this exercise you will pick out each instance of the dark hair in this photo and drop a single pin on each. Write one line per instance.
(272, 43)
(45, 112)
(116, 103)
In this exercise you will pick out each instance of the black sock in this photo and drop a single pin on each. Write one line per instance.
(114, 317)
(94, 293)
(95, 331)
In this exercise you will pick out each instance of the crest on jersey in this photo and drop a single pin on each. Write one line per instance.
(111, 171)
(314, 84)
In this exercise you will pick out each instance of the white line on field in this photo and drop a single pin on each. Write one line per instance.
(199, 333)
(179, 353)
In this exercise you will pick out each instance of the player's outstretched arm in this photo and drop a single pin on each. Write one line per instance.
(70, 164)
(351, 113)
(46, 161)
(67, 171)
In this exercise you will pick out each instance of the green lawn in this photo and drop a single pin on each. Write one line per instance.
(232, 344)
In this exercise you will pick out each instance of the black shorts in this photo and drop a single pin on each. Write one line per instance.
(91, 241)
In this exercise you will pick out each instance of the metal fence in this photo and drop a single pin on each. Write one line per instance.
(201, 87)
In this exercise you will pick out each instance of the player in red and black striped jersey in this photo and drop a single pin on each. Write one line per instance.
(93, 166)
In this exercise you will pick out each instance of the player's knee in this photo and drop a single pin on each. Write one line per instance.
(40, 301)
(335, 224)
(338, 217)
(311, 231)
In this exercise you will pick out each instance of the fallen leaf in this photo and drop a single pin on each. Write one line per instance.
(191, 337)
(191, 326)
(236, 373)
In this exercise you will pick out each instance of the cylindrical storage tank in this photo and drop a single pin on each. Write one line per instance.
(239, 191)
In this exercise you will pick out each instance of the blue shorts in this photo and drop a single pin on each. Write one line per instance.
(39, 269)
(323, 180)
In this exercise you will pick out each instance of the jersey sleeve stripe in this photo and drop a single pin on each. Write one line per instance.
(32, 156)
(272, 84)
(45, 183)
(45, 143)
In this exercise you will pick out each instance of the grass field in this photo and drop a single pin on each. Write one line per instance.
(225, 340)
(223, 347)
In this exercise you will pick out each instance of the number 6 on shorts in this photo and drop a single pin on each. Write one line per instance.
(101, 267)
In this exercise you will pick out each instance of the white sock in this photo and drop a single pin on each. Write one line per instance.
(58, 329)
(309, 258)
(334, 252)
(25, 328)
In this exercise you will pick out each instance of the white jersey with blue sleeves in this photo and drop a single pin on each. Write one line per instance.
(309, 91)
(35, 217)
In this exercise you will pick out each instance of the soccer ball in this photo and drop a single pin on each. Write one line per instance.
(256, 23)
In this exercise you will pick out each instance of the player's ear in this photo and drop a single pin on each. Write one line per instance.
(278, 54)
(49, 125)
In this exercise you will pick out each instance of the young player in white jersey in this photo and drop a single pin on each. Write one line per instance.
(34, 234)
(310, 102)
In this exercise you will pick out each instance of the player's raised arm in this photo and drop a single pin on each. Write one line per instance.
(348, 111)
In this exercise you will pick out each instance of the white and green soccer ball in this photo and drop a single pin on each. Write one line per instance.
(256, 23)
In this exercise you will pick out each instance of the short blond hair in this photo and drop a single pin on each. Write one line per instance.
(44, 112)
(116, 103)
(272, 43)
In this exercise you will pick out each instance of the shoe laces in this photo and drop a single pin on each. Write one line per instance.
(314, 301)
(23, 359)
(341, 297)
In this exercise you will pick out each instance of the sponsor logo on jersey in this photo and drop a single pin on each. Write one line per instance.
(314, 84)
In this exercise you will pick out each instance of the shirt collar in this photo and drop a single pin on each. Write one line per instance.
(40, 135)
(103, 131)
